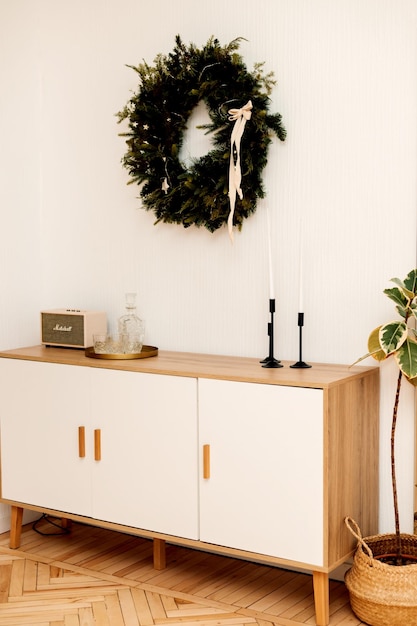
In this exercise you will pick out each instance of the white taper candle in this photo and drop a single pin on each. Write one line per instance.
(300, 272)
(271, 273)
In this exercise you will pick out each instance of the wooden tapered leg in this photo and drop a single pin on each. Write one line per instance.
(159, 554)
(15, 526)
(321, 598)
(66, 523)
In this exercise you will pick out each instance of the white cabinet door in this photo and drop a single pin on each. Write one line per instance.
(42, 406)
(265, 490)
(148, 473)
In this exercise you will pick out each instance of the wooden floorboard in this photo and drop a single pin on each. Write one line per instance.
(98, 577)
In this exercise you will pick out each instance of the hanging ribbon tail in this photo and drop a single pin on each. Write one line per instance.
(239, 116)
(230, 223)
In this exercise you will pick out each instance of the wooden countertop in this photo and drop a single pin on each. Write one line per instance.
(320, 375)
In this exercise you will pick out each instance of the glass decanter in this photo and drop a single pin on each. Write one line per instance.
(131, 327)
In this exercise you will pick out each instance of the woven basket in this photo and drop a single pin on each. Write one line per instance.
(382, 594)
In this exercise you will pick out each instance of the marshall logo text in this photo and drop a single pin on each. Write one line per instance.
(63, 329)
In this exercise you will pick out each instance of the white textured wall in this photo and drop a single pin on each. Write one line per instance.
(73, 233)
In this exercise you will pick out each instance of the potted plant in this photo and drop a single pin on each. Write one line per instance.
(382, 581)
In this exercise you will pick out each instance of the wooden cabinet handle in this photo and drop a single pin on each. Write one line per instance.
(81, 442)
(206, 461)
(97, 444)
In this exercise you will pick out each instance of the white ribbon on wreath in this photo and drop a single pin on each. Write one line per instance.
(240, 117)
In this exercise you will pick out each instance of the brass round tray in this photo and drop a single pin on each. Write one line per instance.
(146, 352)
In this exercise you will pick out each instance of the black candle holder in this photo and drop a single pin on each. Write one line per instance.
(270, 361)
(300, 363)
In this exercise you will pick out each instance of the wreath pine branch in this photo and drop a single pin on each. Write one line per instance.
(157, 115)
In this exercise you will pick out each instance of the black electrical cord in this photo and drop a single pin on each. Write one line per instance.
(50, 520)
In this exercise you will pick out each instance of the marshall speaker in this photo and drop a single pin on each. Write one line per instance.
(71, 328)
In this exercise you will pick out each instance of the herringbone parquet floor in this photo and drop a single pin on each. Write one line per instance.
(98, 577)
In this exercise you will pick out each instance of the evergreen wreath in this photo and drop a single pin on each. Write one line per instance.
(158, 113)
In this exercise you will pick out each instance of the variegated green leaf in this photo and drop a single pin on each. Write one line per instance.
(374, 345)
(392, 336)
(403, 311)
(398, 296)
(410, 282)
(398, 282)
(409, 294)
(406, 358)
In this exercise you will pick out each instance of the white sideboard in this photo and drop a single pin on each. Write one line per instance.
(205, 451)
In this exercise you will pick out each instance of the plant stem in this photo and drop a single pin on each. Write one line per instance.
(398, 546)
